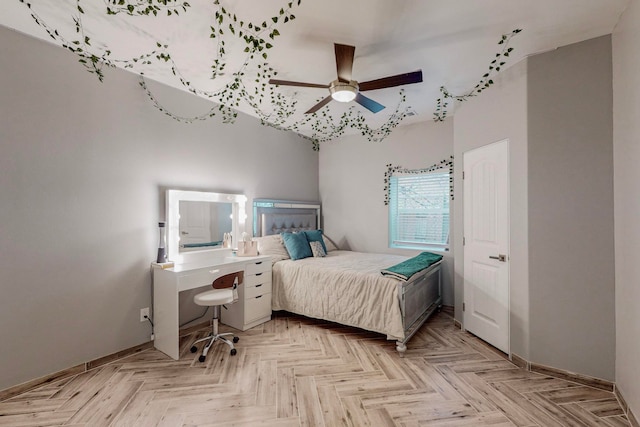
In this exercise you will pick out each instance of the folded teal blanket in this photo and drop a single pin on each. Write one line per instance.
(201, 245)
(408, 268)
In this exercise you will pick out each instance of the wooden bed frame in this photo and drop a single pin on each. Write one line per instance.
(419, 297)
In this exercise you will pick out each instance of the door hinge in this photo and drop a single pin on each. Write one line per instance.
(463, 307)
(462, 174)
(464, 241)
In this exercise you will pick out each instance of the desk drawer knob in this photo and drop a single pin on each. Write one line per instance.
(258, 274)
(259, 296)
(259, 262)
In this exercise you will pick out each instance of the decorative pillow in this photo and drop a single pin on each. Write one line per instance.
(297, 245)
(315, 236)
(317, 250)
(328, 244)
(273, 246)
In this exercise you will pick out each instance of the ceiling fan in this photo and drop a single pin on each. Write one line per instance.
(343, 89)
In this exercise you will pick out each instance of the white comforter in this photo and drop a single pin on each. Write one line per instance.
(344, 287)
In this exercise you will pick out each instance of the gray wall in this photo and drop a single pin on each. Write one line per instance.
(571, 250)
(352, 181)
(555, 109)
(83, 167)
(626, 158)
(499, 113)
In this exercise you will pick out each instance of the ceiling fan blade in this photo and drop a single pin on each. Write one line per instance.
(344, 61)
(369, 103)
(319, 105)
(300, 84)
(399, 80)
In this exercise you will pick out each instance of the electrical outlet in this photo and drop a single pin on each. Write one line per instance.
(144, 312)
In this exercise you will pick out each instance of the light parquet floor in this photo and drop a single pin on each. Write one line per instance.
(294, 371)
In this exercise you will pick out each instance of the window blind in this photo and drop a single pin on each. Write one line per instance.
(419, 210)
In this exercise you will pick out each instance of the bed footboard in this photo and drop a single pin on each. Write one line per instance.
(419, 299)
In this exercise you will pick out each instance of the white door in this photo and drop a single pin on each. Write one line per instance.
(486, 243)
(195, 222)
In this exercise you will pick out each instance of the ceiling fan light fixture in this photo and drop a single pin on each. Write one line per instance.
(343, 92)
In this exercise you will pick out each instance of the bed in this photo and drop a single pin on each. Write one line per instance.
(347, 287)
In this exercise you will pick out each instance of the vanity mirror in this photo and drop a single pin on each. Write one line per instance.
(197, 221)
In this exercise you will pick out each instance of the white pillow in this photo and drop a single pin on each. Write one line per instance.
(273, 246)
(329, 244)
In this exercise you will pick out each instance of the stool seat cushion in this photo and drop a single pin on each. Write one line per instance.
(214, 297)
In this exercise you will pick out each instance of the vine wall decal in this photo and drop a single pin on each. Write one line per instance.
(485, 82)
(393, 170)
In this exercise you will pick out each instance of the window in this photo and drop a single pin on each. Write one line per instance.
(419, 211)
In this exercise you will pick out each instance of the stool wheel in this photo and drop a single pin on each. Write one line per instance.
(235, 339)
(194, 349)
(234, 351)
(201, 358)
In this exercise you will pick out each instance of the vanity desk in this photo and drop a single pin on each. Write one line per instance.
(254, 294)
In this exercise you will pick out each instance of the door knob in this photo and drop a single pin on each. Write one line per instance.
(501, 258)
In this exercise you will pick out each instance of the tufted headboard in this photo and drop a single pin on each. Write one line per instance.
(278, 216)
(276, 223)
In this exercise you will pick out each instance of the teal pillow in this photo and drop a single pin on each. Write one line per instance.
(297, 245)
(315, 236)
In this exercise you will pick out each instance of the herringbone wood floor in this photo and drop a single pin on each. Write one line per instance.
(294, 371)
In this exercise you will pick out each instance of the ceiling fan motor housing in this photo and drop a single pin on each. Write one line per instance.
(343, 91)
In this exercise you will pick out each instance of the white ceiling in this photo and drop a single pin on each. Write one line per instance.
(452, 41)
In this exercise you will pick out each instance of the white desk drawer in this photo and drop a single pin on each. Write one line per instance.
(259, 289)
(205, 276)
(257, 307)
(257, 267)
(256, 279)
